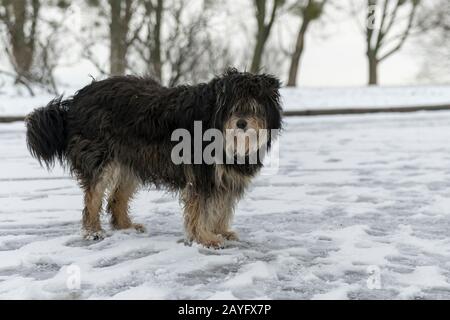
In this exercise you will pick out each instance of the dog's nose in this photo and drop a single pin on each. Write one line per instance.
(241, 124)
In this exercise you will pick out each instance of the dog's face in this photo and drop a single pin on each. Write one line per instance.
(248, 109)
(245, 128)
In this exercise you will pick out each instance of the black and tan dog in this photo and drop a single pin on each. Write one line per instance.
(115, 135)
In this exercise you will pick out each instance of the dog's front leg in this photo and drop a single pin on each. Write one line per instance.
(223, 207)
(200, 221)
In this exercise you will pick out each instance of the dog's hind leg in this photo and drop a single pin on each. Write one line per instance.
(93, 197)
(95, 189)
(118, 203)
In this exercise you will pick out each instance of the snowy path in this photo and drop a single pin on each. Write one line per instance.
(294, 99)
(353, 195)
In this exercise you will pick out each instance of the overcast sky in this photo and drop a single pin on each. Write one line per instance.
(334, 53)
(340, 60)
(335, 47)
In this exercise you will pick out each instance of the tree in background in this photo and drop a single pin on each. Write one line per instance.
(121, 13)
(118, 16)
(187, 51)
(21, 41)
(154, 16)
(383, 38)
(434, 23)
(309, 11)
(192, 53)
(147, 43)
(264, 28)
(32, 57)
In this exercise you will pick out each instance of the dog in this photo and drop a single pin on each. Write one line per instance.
(115, 135)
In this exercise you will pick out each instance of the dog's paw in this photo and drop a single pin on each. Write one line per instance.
(230, 235)
(139, 228)
(94, 235)
(213, 242)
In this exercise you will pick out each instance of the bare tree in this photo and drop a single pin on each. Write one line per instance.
(21, 43)
(121, 13)
(382, 39)
(434, 43)
(187, 52)
(148, 44)
(308, 11)
(118, 15)
(33, 58)
(263, 29)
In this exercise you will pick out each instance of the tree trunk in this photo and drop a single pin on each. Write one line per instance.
(261, 35)
(118, 36)
(260, 39)
(23, 45)
(263, 31)
(296, 56)
(156, 50)
(373, 69)
(259, 49)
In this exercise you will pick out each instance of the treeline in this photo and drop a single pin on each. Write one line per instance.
(176, 40)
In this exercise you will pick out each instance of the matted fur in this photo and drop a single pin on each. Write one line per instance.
(115, 136)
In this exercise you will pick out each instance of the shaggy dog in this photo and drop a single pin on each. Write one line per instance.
(115, 135)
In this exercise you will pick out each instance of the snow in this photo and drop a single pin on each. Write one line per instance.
(304, 98)
(16, 105)
(364, 97)
(356, 199)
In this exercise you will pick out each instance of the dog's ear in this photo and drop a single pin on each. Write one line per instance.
(270, 86)
(224, 84)
(222, 87)
(269, 81)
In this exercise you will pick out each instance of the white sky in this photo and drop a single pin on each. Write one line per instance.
(335, 48)
(340, 60)
(335, 53)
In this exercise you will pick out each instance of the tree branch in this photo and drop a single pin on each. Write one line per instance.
(405, 34)
(381, 34)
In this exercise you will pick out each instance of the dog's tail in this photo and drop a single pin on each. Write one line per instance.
(46, 132)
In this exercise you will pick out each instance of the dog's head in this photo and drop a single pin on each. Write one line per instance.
(247, 111)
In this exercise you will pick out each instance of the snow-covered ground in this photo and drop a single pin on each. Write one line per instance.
(311, 98)
(360, 208)
(365, 97)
